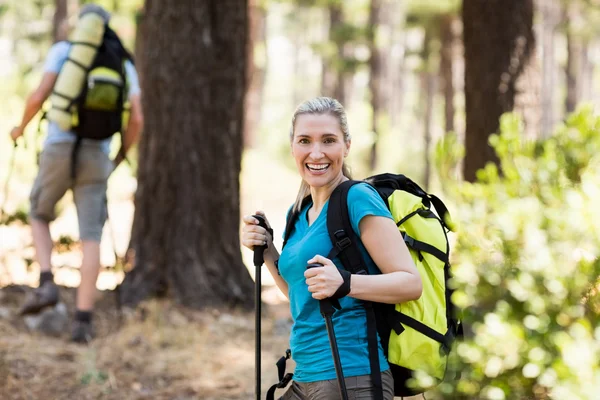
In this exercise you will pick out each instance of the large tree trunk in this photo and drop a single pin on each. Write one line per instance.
(499, 44)
(59, 27)
(186, 224)
(375, 76)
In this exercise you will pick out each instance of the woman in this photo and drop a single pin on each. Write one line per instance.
(320, 142)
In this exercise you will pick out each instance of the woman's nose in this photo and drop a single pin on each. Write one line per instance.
(315, 151)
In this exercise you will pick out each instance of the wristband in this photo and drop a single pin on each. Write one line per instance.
(344, 288)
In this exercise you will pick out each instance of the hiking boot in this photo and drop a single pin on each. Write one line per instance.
(44, 296)
(82, 332)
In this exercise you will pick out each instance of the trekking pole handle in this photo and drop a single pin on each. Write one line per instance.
(259, 250)
(328, 305)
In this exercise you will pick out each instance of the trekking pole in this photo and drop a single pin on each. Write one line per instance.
(328, 307)
(258, 262)
(11, 166)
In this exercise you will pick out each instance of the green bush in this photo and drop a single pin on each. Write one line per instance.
(526, 265)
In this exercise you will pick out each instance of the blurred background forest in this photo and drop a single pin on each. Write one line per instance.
(492, 105)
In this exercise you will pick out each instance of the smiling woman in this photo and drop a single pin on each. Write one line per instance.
(320, 136)
(320, 141)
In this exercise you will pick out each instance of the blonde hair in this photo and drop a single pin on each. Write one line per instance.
(320, 105)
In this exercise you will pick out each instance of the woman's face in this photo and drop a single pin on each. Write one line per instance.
(318, 148)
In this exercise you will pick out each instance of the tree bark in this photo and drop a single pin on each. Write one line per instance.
(186, 223)
(374, 78)
(499, 46)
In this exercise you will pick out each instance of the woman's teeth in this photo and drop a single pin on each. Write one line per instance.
(317, 167)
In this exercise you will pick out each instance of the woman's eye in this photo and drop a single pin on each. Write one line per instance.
(303, 141)
(329, 140)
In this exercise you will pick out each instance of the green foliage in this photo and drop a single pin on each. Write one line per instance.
(526, 265)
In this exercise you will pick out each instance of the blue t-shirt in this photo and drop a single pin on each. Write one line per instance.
(54, 61)
(308, 340)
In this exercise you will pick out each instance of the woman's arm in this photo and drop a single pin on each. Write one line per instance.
(399, 280)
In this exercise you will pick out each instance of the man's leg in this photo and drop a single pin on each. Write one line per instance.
(42, 241)
(86, 293)
(89, 192)
(50, 185)
(47, 292)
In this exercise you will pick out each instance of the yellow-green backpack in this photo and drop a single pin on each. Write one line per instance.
(416, 335)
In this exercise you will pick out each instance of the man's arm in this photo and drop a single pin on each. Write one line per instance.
(34, 102)
(134, 127)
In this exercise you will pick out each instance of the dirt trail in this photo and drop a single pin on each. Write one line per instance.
(158, 351)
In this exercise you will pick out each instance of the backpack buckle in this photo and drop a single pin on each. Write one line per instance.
(410, 242)
(343, 240)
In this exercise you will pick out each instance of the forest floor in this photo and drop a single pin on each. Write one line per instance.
(157, 351)
(160, 350)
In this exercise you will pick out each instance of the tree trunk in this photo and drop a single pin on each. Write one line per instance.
(256, 70)
(586, 72)
(332, 78)
(499, 44)
(187, 216)
(59, 27)
(550, 12)
(574, 56)
(446, 69)
(397, 72)
(374, 78)
(427, 96)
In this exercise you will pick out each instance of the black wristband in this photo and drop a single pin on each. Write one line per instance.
(344, 288)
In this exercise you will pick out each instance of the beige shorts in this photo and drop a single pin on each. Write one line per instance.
(89, 187)
(359, 388)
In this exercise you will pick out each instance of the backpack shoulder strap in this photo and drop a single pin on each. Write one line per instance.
(110, 34)
(345, 246)
(344, 240)
(291, 218)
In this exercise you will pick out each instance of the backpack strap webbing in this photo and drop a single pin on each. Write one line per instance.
(345, 246)
(290, 221)
(426, 247)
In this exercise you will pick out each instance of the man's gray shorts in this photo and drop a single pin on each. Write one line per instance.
(89, 187)
(359, 388)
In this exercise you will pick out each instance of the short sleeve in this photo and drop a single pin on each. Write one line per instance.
(57, 55)
(364, 200)
(132, 79)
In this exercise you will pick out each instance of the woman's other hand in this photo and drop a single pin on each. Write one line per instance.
(324, 281)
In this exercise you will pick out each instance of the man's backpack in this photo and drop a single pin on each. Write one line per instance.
(416, 336)
(98, 110)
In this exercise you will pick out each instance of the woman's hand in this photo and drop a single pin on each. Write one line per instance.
(324, 281)
(255, 235)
